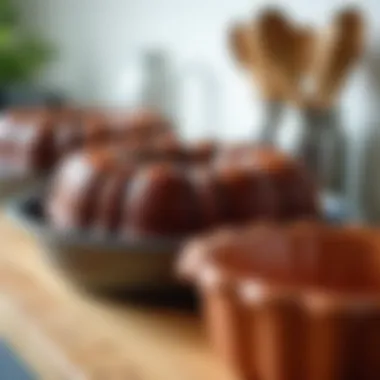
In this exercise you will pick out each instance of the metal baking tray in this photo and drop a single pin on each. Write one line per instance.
(13, 182)
(94, 262)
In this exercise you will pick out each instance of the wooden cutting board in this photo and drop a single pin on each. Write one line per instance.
(64, 334)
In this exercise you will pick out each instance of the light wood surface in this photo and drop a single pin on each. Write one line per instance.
(64, 334)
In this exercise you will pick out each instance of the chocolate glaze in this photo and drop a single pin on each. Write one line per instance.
(110, 213)
(161, 201)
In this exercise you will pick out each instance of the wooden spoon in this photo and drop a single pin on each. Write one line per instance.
(275, 43)
(243, 44)
(240, 43)
(339, 49)
(304, 53)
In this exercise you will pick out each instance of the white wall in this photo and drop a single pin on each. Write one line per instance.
(96, 37)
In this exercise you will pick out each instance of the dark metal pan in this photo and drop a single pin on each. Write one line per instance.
(13, 182)
(98, 263)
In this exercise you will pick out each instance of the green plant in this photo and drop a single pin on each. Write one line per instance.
(21, 54)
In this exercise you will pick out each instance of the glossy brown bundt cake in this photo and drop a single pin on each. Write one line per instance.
(161, 201)
(142, 126)
(26, 140)
(33, 140)
(111, 189)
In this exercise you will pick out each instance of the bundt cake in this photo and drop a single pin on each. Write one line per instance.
(33, 140)
(142, 126)
(110, 188)
(291, 302)
(161, 201)
(109, 214)
(202, 151)
(77, 188)
(26, 140)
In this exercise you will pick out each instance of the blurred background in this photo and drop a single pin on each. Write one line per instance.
(94, 44)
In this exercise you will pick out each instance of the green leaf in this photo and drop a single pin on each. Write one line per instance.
(21, 54)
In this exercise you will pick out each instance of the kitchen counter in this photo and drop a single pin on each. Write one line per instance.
(62, 333)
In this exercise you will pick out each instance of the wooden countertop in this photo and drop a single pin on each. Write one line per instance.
(63, 334)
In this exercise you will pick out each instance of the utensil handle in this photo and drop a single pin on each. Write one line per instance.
(323, 148)
(273, 112)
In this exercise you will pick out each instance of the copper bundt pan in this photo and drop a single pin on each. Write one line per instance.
(93, 262)
(303, 305)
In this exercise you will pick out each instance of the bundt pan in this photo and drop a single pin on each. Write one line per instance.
(97, 263)
(296, 303)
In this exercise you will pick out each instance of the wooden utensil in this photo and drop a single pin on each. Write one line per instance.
(240, 43)
(245, 49)
(277, 56)
(275, 41)
(324, 142)
(276, 62)
(339, 48)
(304, 53)
(243, 44)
